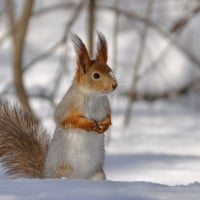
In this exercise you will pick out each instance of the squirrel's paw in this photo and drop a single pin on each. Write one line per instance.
(102, 127)
(93, 126)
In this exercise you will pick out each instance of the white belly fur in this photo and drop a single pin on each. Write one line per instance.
(84, 152)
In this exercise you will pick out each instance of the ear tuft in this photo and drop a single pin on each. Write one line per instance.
(101, 48)
(83, 59)
(78, 43)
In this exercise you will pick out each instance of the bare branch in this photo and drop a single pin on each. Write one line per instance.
(133, 16)
(91, 23)
(115, 38)
(46, 10)
(6, 35)
(63, 41)
(52, 8)
(167, 95)
(137, 64)
(115, 56)
(19, 34)
(59, 42)
(181, 23)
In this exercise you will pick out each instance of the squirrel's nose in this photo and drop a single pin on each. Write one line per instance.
(114, 85)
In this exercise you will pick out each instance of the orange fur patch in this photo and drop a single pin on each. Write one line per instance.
(78, 121)
(63, 170)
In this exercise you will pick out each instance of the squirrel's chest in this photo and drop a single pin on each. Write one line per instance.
(96, 108)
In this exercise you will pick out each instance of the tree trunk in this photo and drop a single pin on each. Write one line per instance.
(19, 31)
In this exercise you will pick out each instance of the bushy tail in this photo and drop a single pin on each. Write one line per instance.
(23, 142)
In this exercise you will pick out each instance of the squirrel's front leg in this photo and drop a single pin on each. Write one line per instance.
(79, 121)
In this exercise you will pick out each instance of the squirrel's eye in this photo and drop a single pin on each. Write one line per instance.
(96, 75)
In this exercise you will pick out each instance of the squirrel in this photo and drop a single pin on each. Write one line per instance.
(83, 115)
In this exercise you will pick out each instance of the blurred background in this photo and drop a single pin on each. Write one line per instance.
(154, 51)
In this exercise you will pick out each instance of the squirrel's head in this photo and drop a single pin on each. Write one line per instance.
(94, 74)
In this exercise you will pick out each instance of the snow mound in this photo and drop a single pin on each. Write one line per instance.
(49, 189)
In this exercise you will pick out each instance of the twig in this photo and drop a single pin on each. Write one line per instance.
(59, 42)
(43, 55)
(64, 41)
(115, 57)
(6, 35)
(53, 48)
(181, 23)
(51, 8)
(46, 10)
(115, 38)
(167, 95)
(155, 62)
(137, 64)
(130, 15)
(90, 25)
(59, 74)
(19, 34)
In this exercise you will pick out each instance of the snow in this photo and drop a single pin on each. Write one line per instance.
(79, 189)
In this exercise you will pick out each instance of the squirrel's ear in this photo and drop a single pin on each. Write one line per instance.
(101, 48)
(83, 59)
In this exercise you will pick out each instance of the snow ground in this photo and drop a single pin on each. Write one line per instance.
(78, 189)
